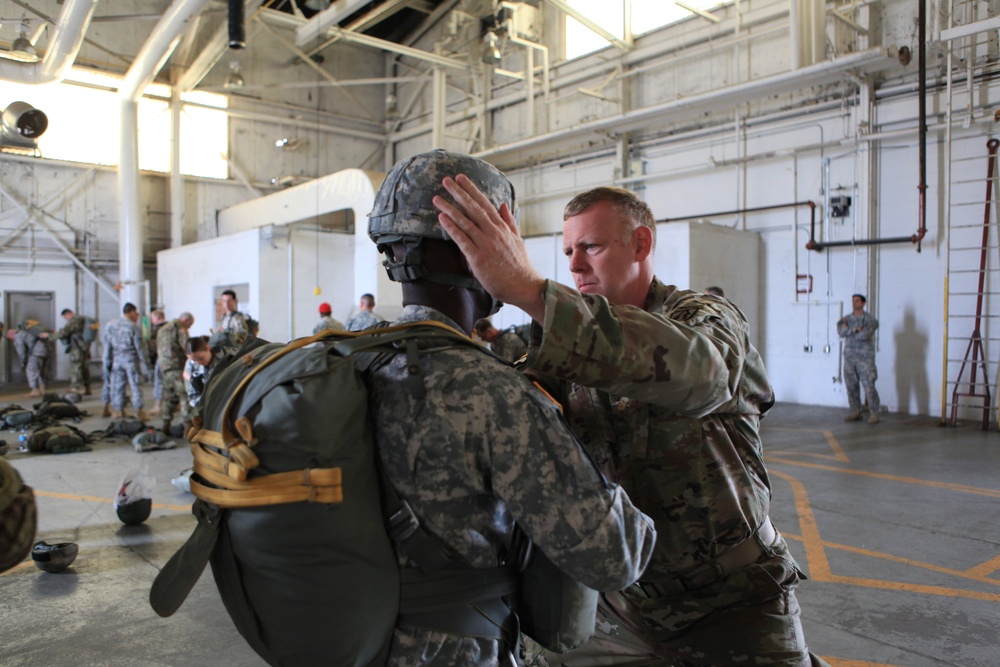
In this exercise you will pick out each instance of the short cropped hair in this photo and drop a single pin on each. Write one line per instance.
(66, 311)
(129, 308)
(482, 326)
(860, 296)
(196, 344)
(368, 300)
(627, 204)
(231, 293)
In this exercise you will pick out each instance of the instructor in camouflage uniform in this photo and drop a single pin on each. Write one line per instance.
(858, 329)
(171, 340)
(477, 447)
(667, 393)
(124, 355)
(79, 351)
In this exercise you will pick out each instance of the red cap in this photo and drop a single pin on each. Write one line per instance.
(324, 309)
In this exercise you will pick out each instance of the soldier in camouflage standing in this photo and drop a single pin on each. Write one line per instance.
(365, 318)
(234, 323)
(858, 329)
(477, 447)
(157, 319)
(124, 355)
(171, 340)
(79, 350)
(666, 392)
(507, 344)
(327, 320)
(33, 352)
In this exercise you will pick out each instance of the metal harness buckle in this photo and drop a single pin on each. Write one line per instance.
(403, 523)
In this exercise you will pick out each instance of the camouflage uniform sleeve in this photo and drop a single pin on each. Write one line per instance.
(140, 350)
(21, 347)
(588, 528)
(868, 327)
(72, 327)
(688, 358)
(843, 329)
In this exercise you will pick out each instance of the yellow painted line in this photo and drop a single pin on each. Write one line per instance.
(24, 565)
(819, 566)
(970, 574)
(962, 488)
(981, 570)
(838, 452)
(99, 499)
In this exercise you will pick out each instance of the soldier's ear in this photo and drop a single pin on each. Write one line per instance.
(642, 237)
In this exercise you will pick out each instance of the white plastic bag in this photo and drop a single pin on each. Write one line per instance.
(136, 485)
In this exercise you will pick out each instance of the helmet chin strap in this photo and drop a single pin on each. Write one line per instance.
(411, 268)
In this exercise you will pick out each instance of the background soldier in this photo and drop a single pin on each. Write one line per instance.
(365, 318)
(33, 352)
(508, 344)
(326, 320)
(157, 319)
(201, 361)
(78, 349)
(170, 345)
(124, 354)
(858, 329)
(234, 323)
(667, 393)
(479, 448)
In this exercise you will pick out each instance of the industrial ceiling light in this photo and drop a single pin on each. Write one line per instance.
(391, 107)
(491, 49)
(235, 79)
(287, 143)
(22, 48)
(317, 5)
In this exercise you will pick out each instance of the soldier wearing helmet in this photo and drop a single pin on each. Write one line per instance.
(479, 450)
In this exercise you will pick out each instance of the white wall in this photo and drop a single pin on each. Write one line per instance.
(187, 278)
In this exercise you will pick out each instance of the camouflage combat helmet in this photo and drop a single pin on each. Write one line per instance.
(404, 209)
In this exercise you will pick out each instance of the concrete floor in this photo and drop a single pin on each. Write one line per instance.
(896, 524)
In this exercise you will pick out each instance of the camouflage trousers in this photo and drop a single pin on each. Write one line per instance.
(79, 369)
(34, 371)
(124, 372)
(689, 630)
(173, 396)
(860, 371)
(157, 382)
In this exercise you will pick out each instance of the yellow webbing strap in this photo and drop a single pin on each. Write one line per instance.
(224, 458)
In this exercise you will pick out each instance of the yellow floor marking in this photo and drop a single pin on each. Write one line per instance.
(819, 566)
(971, 574)
(975, 490)
(99, 499)
(838, 452)
(24, 565)
(981, 570)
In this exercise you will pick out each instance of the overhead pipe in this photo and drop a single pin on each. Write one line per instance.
(922, 113)
(739, 211)
(148, 62)
(71, 26)
(917, 237)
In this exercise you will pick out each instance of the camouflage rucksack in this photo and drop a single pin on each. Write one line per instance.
(18, 517)
(290, 508)
(61, 439)
(57, 409)
(14, 416)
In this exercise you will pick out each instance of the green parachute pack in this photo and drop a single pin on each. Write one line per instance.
(300, 525)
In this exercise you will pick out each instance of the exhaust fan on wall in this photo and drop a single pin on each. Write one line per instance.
(21, 124)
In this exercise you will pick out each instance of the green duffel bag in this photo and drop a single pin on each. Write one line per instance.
(60, 439)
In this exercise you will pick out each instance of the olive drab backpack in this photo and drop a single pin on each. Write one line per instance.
(290, 507)
(90, 331)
